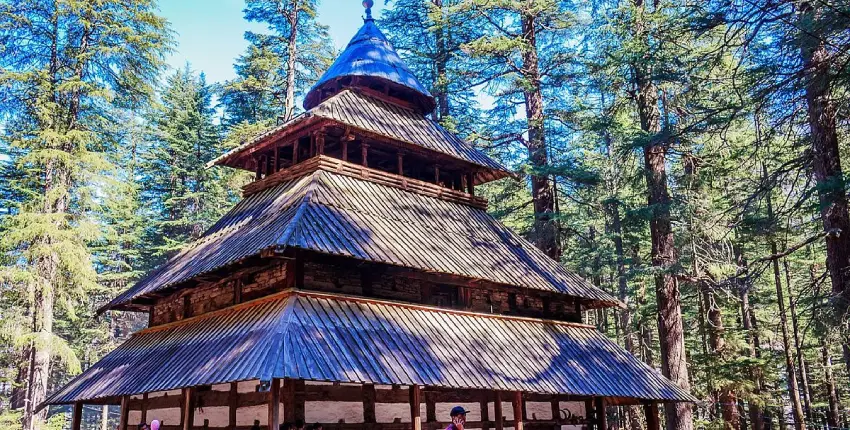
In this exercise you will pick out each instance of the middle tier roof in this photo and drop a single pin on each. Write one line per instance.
(334, 213)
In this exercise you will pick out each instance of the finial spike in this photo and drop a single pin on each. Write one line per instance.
(368, 5)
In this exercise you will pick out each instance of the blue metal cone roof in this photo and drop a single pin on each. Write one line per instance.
(370, 55)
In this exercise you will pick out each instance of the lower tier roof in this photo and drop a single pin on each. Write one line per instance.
(323, 337)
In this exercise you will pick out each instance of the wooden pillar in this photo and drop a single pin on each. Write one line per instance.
(415, 406)
(497, 411)
(651, 411)
(555, 406)
(288, 397)
(295, 151)
(344, 149)
(274, 405)
(430, 408)
(589, 413)
(298, 399)
(145, 408)
(470, 184)
(188, 414)
(125, 413)
(77, 417)
(232, 405)
(485, 412)
(320, 143)
(276, 163)
(400, 163)
(369, 403)
(601, 416)
(437, 175)
(519, 410)
(364, 154)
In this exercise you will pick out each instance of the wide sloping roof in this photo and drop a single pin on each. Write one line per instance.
(370, 55)
(367, 113)
(336, 214)
(322, 337)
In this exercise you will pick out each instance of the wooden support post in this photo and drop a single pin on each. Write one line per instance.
(125, 413)
(400, 163)
(497, 411)
(651, 411)
(369, 403)
(485, 412)
(276, 163)
(519, 410)
(295, 151)
(344, 144)
(274, 405)
(430, 408)
(77, 417)
(288, 397)
(188, 414)
(437, 175)
(555, 406)
(232, 405)
(298, 394)
(589, 410)
(601, 416)
(320, 143)
(145, 408)
(364, 154)
(415, 406)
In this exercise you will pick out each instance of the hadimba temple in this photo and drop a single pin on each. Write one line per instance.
(361, 284)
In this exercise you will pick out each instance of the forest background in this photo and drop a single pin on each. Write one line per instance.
(684, 156)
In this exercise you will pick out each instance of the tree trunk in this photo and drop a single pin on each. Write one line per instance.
(826, 161)
(793, 390)
(670, 326)
(801, 361)
(829, 386)
(441, 90)
(291, 52)
(717, 344)
(750, 325)
(545, 231)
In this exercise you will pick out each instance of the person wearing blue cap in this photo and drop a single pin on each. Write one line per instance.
(458, 415)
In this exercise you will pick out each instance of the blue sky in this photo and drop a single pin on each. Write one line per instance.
(209, 33)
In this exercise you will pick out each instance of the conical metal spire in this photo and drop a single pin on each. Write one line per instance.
(369, 61)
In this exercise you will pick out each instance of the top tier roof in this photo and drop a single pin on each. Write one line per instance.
(370, 61)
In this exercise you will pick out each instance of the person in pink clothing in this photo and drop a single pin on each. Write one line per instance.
(155, 425)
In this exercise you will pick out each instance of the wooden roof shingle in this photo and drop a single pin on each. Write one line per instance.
(324, 337)
(341, 215)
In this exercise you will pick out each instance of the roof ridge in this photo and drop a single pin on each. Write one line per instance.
(299, 214)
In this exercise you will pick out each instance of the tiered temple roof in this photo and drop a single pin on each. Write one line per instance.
(365, 181)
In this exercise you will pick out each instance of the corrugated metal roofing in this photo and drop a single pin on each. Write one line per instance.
(370, 54)
(370, 114)
(324, 337)
(341, 215)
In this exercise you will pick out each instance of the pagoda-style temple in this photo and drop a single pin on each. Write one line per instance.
(361, 284)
